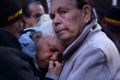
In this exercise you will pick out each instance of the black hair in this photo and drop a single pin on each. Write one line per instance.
(100, 7)
(25, 8)
(80, 3)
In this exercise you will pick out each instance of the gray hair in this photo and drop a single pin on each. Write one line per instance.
(46, 29)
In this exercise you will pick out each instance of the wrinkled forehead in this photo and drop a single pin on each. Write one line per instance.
(47, 39)
(61, 4)
(50, 40)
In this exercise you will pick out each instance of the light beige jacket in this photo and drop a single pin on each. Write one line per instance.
(96, 58)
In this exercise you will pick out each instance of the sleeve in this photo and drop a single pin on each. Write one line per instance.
(51, 76)
(14, 65)
(90, 65)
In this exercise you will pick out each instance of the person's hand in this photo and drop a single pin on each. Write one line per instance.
(55, 67)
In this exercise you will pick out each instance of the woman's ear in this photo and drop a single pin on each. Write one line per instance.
(87, 12)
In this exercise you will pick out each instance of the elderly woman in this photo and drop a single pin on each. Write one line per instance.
(90, 54)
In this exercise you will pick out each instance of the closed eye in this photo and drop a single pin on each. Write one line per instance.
(54, 50)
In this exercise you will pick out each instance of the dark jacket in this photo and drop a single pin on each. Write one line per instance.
(14, 64)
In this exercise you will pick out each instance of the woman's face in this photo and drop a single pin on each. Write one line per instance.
(67, 19)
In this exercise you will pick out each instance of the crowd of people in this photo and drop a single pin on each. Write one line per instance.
(59, 40)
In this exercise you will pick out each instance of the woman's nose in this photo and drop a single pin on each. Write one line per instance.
(56, 20)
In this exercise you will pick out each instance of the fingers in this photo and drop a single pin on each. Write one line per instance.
(51, 64)
(58, 64)
(54, 64)
(54, 67)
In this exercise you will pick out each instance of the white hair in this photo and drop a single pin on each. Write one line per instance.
(46, 29)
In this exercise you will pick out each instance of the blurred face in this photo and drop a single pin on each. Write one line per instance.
(49, 49)
(67, 19)
(16, 28)
(36, 10)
